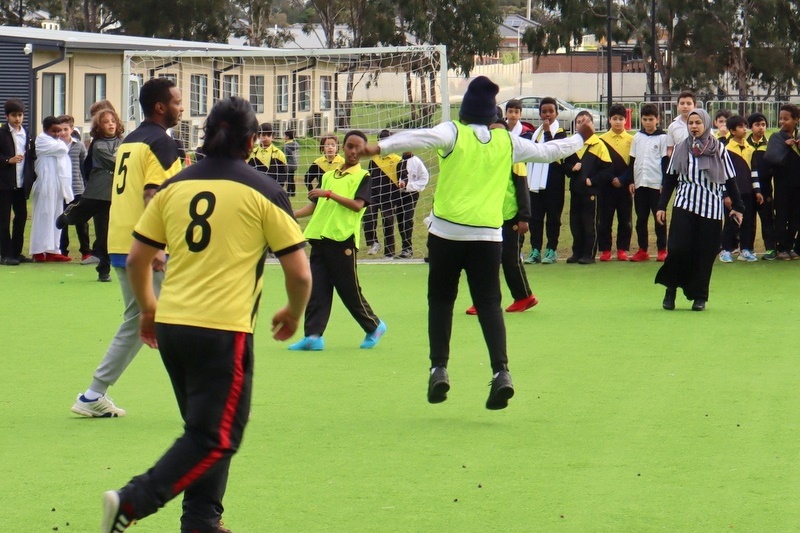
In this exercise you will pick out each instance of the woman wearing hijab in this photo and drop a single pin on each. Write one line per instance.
(702, 173)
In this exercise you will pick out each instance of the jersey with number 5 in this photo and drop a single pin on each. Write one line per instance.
(146, 158)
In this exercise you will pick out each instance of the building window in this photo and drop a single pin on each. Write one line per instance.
(324, 92)
(282, 94)
(94, 90)
(304, 93)
(230, 85)
(257, 93)
(54, 94)
(198, 95)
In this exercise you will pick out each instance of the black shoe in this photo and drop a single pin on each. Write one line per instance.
(104, 277)
(10, 261)
(438, 385)
(586, 261)
(502, 390)
(669, 300)
(699, 305)
(62, 221)
(23, 259)
(573, 259)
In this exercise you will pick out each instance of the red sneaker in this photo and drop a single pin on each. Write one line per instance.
(662, 254)
(641, 255)
(57, 258)
(605, 256)
(472, 311)
(39, 258)
(622, 255)
(522, 305)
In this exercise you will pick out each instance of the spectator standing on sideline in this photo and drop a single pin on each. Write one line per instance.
(77, 155)
(546, 186)
(329, 160)
(414, 178)
(615, 197)
(783, 158)
(16, 178)
(757, 123)
(145, 159)
(291, 148)
(106, 134)
(53, 187)
(648, 165)
(217, 217)
(268, 158)
(385, 196)
(465, 230)
(678, 131)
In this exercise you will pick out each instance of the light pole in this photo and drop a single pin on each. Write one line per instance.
(519, 59)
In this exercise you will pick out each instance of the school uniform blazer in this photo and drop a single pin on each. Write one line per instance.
(8, 173)
(595, 165)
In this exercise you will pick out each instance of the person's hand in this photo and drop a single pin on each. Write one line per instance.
(318, 193)
(586, 129)
(791, 142)
(147, 328)
(16, 159)
(546, 124)
(737, 217)
(588, 182)
(401, 184)
(370, 149)
(160, 261)
(632, 189)
(284, 325)
(616, 183)
(728, 203)
(522, 227)
(661, 217)
(759, 198)
(577, 167)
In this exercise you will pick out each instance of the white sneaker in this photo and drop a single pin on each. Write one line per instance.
(747, 255)
(103, 407)
(90, 260)
(114, 520)
(374, 249)
(726, 257)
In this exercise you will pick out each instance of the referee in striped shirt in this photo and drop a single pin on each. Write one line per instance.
(704, 181)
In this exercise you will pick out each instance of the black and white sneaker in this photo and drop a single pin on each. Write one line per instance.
(438, 385)
(500, 392)
(114, 519)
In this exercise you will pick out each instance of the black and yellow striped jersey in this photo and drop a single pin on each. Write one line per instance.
(218, 217)
(145, 159)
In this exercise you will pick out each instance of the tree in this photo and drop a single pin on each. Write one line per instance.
(252, 19)
(196, 20)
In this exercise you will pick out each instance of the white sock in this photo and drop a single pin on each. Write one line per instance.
(92, 395)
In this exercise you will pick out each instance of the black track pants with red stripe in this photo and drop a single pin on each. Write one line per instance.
(212, 374)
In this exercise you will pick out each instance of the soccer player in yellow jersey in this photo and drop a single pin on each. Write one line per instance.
(336, 210)
(145, 159)
(218, 218)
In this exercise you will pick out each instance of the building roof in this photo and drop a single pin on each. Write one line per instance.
(50, 39)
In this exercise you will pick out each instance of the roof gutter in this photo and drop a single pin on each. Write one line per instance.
(35, 81)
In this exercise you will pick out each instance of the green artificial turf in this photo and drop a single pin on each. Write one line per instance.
(626, 417)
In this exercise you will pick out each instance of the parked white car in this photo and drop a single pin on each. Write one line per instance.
(566, 112)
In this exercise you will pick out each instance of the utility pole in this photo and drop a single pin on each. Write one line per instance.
(610, 64)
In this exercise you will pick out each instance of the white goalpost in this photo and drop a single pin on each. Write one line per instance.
(310, 92)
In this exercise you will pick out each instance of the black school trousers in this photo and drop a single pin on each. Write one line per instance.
(645, 201)
(12, 236)
(481, 261)
(98, 211)
(692, 250)
(546, 208)
(511, 259)
(406, 205)
(334, 266)
(614, 201)
(583, 225)
(81, 230)
(212, 376)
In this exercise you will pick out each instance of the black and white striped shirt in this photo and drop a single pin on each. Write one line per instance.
(697, 194)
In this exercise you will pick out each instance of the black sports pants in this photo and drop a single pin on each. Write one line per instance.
(481, 261)
(645, 202)
(98, 210)
(614, 201)
(82, 230)
(513, 268)
(212, 376)
(12, 236)
(334, 266)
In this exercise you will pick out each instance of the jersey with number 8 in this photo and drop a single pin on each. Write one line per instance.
(145, 159)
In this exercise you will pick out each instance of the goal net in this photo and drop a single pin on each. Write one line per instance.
(313, 93)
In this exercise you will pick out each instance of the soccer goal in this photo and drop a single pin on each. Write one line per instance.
(311, 93)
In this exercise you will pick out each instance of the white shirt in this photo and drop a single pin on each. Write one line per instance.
(19, 143)
(648, 150)
(443, 137)
(418, 175)
(678, 131)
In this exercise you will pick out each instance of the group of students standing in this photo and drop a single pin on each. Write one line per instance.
(60, 175)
